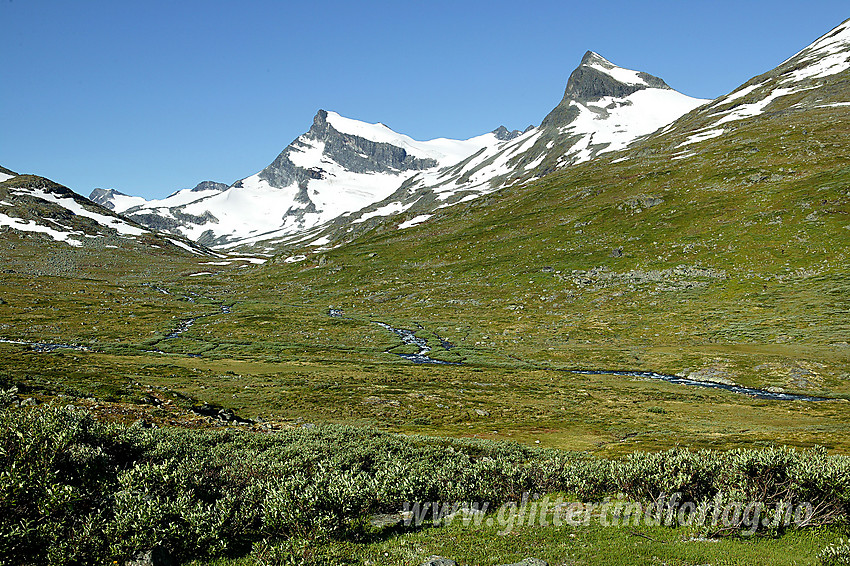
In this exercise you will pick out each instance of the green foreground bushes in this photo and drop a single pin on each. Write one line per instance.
(76, 491)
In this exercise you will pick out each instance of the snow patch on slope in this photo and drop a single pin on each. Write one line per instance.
(414, 221)
(701, 136)
(619, 74)
(756, 108)
(827, 56)
(618, 122)
(32, 226)
(121, 226)
(121, 203)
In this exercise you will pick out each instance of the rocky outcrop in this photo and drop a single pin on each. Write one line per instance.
(589, 82)
(209, 186)
(503, 134)
(104, 197)
(354, 153)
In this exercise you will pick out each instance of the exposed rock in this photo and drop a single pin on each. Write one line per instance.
(714, 374)
(209, 186)
(503, 134)
(588, 83)
(439, 561)
(104, 197)
(640, 202)
(529, 562)
(155, 557)
(354, 153)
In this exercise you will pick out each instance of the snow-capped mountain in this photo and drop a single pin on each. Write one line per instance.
(120, 202)
(35, 207)
(339, 166)
(604, 109)
(344, 172)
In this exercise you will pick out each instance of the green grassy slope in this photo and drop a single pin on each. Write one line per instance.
(724, 265)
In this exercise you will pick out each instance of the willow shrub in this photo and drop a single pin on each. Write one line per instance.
(75, 491)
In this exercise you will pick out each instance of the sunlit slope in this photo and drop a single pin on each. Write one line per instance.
(719, 256)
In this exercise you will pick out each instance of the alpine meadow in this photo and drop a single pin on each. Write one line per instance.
(618, 337)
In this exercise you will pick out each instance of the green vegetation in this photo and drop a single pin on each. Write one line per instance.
(728, 265)
(75, 491)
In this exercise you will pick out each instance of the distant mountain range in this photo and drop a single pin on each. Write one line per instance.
(344, 177)
(345, 173)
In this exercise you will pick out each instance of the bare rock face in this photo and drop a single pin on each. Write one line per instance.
(589, 82)
(155, 557)
(354, 153)
(104, 197)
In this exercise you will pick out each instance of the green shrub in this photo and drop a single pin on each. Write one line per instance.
(72, 488)
(836, 554)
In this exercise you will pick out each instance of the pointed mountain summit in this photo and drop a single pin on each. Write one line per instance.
(604, 109)
(337, 167)
(597, 78)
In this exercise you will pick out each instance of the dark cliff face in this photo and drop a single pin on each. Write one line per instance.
(587, 83)
(503, 134)
(354, 153)
(104, 197)
(209, 186)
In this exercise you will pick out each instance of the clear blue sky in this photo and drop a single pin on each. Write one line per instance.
(148, 97)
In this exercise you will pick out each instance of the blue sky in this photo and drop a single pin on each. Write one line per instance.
(150, 97)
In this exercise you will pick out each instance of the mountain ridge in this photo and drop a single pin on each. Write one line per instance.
(343, 175)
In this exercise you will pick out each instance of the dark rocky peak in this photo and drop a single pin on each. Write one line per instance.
(503, 134)
(209, 186)
(354, 153)
(320, 120)
(7, 171)
(596, 77)
(104, 197)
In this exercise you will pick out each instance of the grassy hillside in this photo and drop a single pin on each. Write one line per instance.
(727, 265)
(722, 260)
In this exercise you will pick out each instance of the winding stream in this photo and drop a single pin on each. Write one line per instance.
(408, 337)
(422, 357)
(751, 391)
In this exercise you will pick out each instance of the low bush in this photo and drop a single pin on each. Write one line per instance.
(76, 491)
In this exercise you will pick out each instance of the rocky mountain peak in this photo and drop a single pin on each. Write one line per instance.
(503, 134)
(320, 119)
(104, 197)
(209, 186)
(353, 152)
(596, 77)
